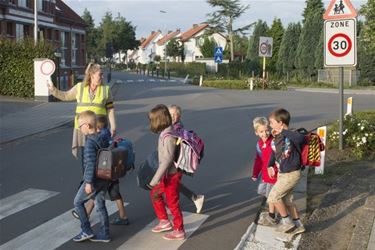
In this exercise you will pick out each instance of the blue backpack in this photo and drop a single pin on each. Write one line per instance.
(128, 145)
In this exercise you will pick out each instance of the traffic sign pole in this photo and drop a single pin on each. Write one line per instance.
(341, 120)
(264, 70)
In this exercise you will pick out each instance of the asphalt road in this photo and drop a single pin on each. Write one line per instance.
(221, 117)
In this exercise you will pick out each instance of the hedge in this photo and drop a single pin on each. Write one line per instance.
(182, 69)
(17, 65)
(226, 84)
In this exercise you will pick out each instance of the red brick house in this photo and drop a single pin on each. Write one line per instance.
(57, 24)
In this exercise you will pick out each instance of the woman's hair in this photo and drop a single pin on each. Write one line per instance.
(281, 115)
(90, 70)
(160, 118)
(258, 121)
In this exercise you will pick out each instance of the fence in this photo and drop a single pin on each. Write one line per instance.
(351, 76)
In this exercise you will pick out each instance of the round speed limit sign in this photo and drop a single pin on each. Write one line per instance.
(340, 43)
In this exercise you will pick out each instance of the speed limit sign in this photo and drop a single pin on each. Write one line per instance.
(340, 43)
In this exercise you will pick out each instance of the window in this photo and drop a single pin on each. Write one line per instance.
(10, 31)
(74, 49)
(13, 2)
(19, 31)
(57, 35)
(26, 30)
(24, 3)
(63, 48)
(48, 34)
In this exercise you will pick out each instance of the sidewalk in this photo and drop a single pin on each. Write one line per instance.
(336, 91)
(37, 119)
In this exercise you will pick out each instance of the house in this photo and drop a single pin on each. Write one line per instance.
(194, 38)
(57, 24)
(147, 50)
(162, 43)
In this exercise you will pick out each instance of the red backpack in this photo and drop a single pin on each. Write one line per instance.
(310, 152)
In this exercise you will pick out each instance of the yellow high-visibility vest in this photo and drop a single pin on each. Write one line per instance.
(97, 105)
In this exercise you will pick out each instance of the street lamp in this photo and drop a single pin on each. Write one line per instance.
(165, 47)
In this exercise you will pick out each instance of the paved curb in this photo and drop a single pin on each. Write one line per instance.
(248, 236)
(335, 91)
(362, 231)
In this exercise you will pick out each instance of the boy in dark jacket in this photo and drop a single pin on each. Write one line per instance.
(287, 146)
(91, 187)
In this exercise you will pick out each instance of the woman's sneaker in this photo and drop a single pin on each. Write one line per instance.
(82, 236)
(164, 225)
(199, 203)
(175, 235)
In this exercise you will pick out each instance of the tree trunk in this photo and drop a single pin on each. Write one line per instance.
(230, 31)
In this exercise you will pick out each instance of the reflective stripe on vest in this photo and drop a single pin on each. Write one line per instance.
(98, 104)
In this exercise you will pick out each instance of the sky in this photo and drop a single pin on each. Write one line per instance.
(146, 15)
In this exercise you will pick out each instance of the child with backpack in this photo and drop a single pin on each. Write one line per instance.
(198, 200)
(113, 187)
(91, 188)
(260, 166)
(286, 155)
(167, 178)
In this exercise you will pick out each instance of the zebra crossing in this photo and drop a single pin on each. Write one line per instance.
(151, 80)
(61, 229)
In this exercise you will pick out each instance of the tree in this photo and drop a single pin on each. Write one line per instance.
(221, 20)
(240, 45)
(173, 48)
(319, 57)
(287, 52)
(124, 37)
(309, 39)
(107, 31)
(366, 44)
(208, 47)
(91, 35)
(276, 32)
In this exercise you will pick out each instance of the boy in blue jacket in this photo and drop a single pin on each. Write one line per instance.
(287, 146)
(91, 187)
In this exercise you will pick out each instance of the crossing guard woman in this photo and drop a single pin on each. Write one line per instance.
(91, 94)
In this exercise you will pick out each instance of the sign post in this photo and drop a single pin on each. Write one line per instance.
(340, 45)
(218, 56)
(265, 50)
(43, 69)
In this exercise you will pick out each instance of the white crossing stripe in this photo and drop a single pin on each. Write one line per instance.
(22, 200)
(162, 80)
(147, 240)
(141, 80)
(55, 232)
(152, 80)
(130, 80)
(173, 80)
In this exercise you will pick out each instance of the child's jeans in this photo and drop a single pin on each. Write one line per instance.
(170, 186)
(99, 195)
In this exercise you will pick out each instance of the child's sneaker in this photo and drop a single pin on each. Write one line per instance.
(164, 225)
(175, 235)
(286, 224)
(267, 220)
(100, 238)
(82, 236)
(120, 221)
(298, 230)
(199, 203)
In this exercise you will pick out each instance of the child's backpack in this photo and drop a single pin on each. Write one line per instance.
(115, 161)
(191, 149)
(310, 153)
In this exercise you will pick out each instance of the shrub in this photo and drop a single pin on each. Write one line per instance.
(182, 69)
(226, 84)
(359, 135)
(17, 65)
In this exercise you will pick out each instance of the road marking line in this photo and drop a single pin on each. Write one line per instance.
(172, 80)
(162, 80)
(152, 80)
(130, 80)
(55, 232)
(22, 200)
(147, 240)
(141, 80)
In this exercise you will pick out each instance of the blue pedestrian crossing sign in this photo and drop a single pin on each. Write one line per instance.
(218, 54)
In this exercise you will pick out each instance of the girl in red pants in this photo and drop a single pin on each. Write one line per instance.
(167, 178)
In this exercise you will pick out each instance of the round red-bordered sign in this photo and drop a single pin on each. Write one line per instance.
(263, 48)
(346, 51)
(47, 67)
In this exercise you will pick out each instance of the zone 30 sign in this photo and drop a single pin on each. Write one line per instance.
(340, 43)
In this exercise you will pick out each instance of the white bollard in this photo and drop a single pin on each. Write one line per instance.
(322, 132)
(200, 81)
(186, 78)
(251, 83)
(349, 106)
